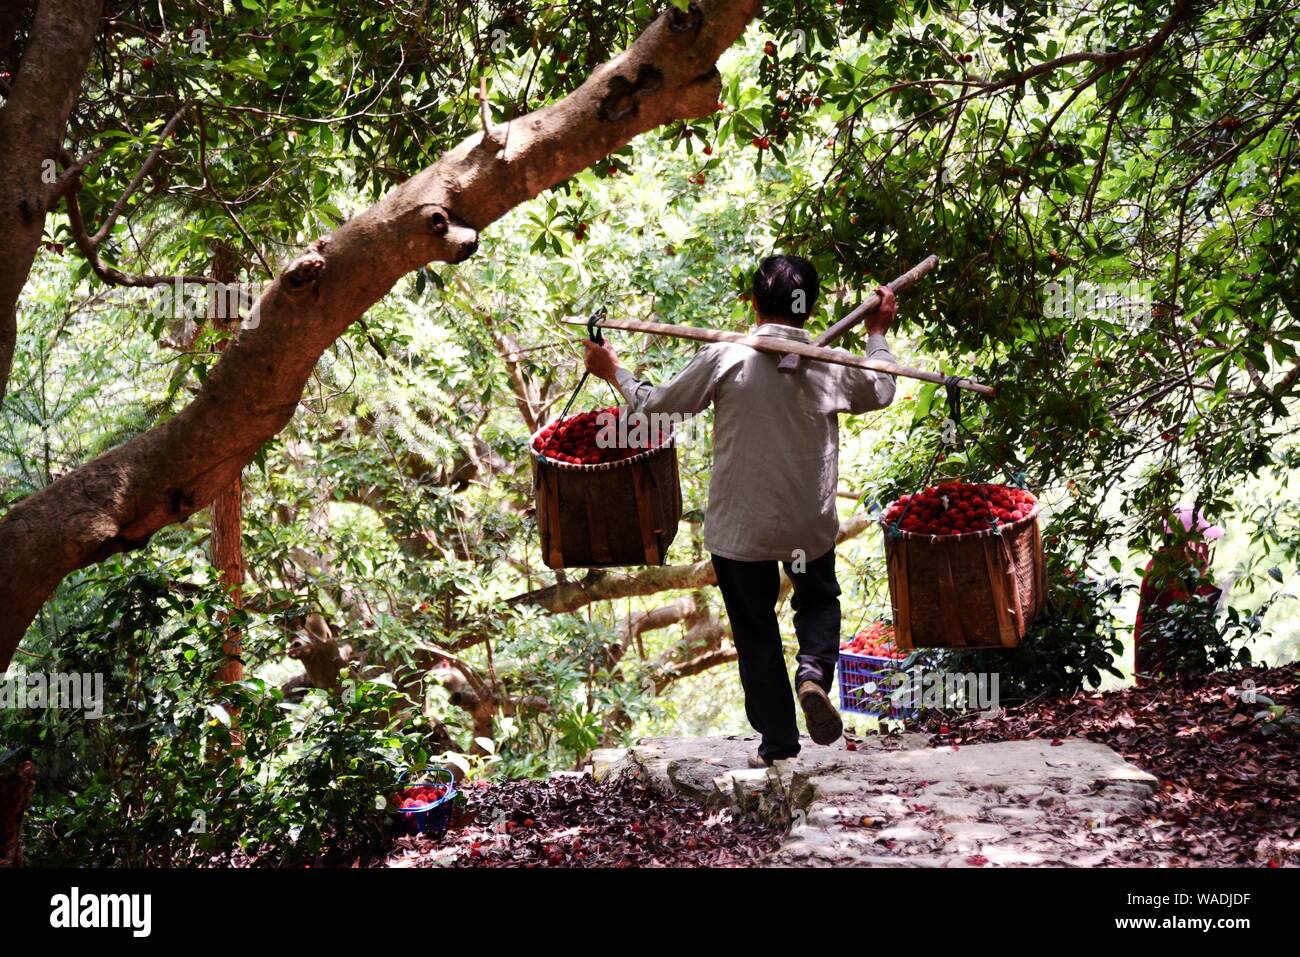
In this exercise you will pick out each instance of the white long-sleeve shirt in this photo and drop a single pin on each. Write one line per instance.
(775, 441)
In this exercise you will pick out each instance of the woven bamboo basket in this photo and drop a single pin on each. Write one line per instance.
(975, 590)
(609, 514)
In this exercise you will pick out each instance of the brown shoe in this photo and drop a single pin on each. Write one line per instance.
(824, 724)
(756, 760)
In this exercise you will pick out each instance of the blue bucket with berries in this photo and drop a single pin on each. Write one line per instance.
(425, 807)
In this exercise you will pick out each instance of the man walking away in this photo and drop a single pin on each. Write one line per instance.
(772, 492)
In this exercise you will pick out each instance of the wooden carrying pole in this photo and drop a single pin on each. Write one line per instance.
(790, 363)
(782, 347)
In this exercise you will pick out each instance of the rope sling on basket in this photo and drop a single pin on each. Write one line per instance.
(964, 587)
(622, 510)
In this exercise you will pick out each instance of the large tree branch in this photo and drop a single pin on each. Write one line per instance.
(120, 499)
(599, 585)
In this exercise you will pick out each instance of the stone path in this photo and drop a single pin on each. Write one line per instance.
(897, 802)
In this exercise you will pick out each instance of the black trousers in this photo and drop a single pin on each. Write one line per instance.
(750, 590)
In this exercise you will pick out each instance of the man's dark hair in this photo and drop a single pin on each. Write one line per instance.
(785, 288)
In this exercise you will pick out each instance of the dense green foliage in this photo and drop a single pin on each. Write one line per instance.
(170, 767)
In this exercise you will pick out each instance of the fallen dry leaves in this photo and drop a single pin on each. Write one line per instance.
(1227, 796)
(575, 821)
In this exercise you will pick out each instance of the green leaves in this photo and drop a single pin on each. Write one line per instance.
(924, 402)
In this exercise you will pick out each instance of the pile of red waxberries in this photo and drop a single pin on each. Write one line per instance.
(420, 796)
(958, 508)
(877, 641)
(573, 440)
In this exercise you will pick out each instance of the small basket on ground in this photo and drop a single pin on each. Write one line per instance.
(430, 818)
(977, 589)
(867, 683)
(607, 514)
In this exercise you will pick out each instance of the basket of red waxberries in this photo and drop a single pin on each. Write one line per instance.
(426, 807)
(966, 566)
(607, 489)
(868, 673)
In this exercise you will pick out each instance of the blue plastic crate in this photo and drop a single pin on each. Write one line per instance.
(433, 819)
(866, 683)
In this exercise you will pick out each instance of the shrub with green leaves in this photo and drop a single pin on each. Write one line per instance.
(180, 769)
